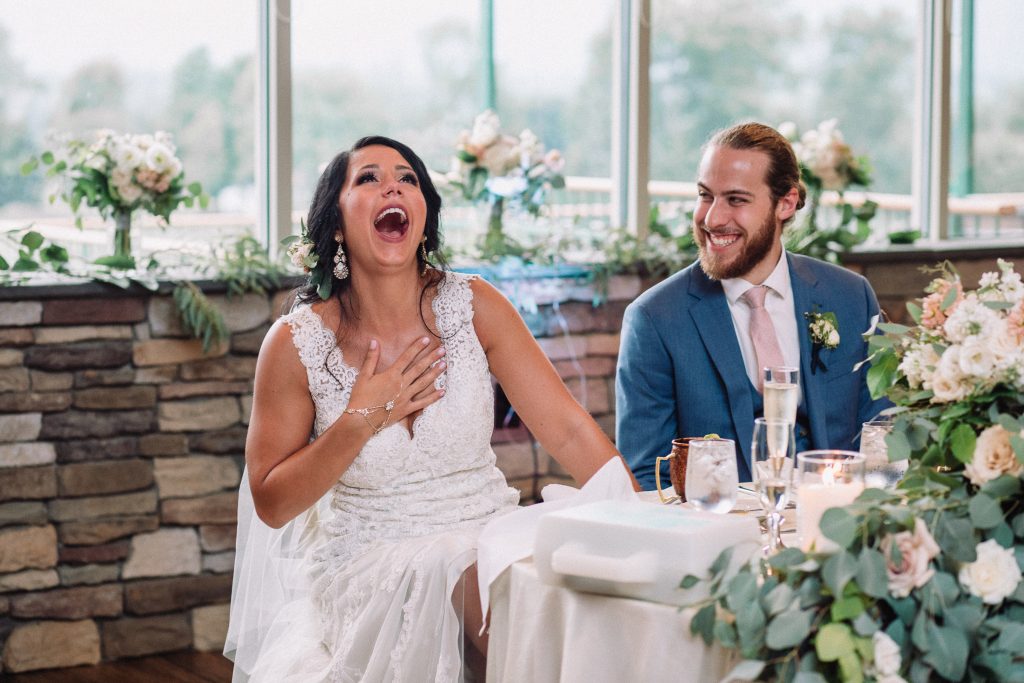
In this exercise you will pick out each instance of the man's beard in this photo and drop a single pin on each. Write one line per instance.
(758, 245)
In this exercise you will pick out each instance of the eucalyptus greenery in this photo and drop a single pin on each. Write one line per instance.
(244, 265)
(931, 571)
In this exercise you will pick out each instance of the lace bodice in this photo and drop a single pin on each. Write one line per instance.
(442, 476)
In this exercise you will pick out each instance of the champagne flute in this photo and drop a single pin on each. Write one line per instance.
(712, 481)
(781, 392)
(772, 456)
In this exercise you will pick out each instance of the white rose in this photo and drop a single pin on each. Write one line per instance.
(971, 317)
(994, 575)
(128, 191)
(501, 157)
(917, 550)
(486, 128)
(993, 457)
(297, 252)
(554, 161)
(507, 186)
(918, 363)
(127, 157)
(947, 382)
(159, 158)
(976, 357)
(788, 130)
(887, 654)
(529, 142)
(890, 678)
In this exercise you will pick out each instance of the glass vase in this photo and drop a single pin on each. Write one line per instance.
(123, 234)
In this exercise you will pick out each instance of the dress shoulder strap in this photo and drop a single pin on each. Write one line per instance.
(313, 341)
(454, 304)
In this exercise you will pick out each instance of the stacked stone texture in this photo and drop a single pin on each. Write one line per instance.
(121, 450)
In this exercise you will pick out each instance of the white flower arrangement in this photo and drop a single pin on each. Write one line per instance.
(119, 173)
(489, 166)
(967, 343)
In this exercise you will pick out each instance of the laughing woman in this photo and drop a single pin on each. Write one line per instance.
(370, 470)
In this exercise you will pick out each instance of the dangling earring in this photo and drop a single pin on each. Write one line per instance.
(423, 253)
(340, 262)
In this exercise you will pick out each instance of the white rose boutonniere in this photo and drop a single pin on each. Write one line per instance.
(994, 576)
(824, 329)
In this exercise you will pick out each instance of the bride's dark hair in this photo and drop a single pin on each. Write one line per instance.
(324, 219)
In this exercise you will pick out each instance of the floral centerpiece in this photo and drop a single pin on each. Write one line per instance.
(118, 173)
(827, 163)
(501, 170)
(926, 583)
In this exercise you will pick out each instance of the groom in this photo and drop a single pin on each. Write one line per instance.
(693, 346)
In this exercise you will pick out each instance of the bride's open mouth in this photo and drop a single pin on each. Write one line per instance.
(392, 223)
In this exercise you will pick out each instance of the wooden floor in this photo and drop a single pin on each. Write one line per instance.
(178, 667)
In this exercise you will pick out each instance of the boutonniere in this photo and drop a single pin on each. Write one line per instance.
(824, 329)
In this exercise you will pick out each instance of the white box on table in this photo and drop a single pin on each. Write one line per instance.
(638, 550)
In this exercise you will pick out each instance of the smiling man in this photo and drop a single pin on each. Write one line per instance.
(688, 363)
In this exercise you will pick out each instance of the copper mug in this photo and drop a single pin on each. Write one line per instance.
(676, 467)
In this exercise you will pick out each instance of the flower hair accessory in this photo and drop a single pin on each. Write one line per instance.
(824, 329)
(302, 255)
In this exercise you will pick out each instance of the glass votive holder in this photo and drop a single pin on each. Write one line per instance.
(879, 472)
(827, 479)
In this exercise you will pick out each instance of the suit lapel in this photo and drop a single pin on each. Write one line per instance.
(713, 321)
(806, 298)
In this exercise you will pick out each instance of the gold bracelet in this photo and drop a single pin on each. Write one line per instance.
(366, 412)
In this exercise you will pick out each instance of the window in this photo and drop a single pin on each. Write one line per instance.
(186, 67)
(715, 64)
(987, 136)
(399, 68)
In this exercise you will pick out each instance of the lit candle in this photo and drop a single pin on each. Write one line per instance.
(827, 479)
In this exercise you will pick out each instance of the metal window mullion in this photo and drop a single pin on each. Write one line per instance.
(930, 179)
(630, 132)
(274, 119)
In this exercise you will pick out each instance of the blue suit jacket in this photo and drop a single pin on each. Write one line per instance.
(681, 373)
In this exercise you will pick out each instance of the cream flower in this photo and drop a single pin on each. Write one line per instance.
(159, 157)
(970, 318)
(947, 381)
(914, 569)
(298, 252)
(977, 358)
(994, 575)
(993, 457)
(887, 655)
(918, 363)
(554, 161)
(485, 130)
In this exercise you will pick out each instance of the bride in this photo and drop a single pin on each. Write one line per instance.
(369, 467)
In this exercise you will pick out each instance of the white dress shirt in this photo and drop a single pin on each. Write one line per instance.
(779, 304)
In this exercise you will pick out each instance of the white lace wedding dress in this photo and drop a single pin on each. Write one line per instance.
(391, 540)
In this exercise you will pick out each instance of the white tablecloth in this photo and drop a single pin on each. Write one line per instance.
(546, 634)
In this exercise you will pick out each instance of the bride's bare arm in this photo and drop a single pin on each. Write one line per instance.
(563, 427)
(287, 473)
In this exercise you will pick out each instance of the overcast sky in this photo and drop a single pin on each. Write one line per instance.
(52, 37)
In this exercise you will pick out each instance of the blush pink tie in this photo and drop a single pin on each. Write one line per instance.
(762, 332)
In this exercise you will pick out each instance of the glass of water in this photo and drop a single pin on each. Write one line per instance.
(772, 456)
(879, 472)
(712, 480)
(781, 393)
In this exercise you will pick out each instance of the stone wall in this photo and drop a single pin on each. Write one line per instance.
(121, 449)
(899, 274)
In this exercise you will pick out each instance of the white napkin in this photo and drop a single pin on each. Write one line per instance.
(510, 538)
